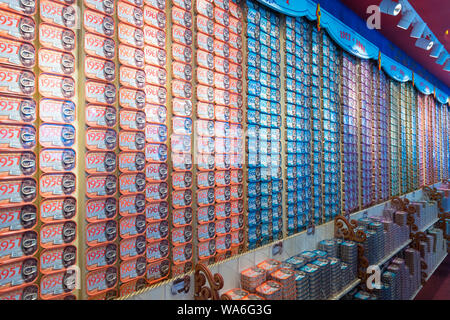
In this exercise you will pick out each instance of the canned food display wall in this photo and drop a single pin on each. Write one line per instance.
(140, 137)
(265, 186)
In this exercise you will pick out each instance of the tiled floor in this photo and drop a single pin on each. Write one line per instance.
(438, 286)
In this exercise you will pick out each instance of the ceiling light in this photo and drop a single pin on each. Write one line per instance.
(419, 28)
(442, 57)
(390, 7)
(406, 20)
(424, 43)
(436, 50)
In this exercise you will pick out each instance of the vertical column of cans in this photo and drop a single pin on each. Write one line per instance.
(182, 129)
(437, 141)
(394, 131)
(229, 143)
(421, 138)
(317, 125)
(131, 158)
(18, 134)
(366, 136)
(384, 135)
(298, 129)
(404, 147)
(101, 142)
(349, 135)
(331, 128)
(431, 139)
(376, 132)
(427, 143)
(157, 172)
(57, 113)
(445, 146)
(207, 113)
(447, 138)
(414, 140)
(264, 121)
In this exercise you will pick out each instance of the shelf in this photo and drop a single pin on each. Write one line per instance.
(346, 290)
(428, 226)
(429, 276)
(393, 253)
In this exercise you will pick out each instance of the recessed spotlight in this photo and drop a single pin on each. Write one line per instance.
(390, 7)
(406, 20)
(419, 28)
(436, 50)
(424, 43)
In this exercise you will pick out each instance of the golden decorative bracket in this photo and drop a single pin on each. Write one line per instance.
(215, 282)
(344, 228)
